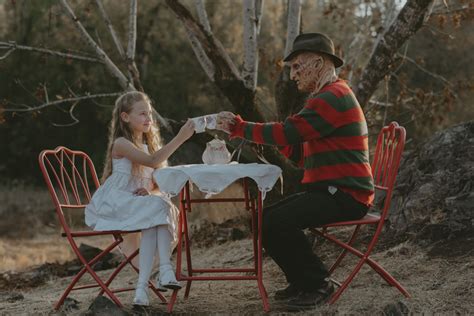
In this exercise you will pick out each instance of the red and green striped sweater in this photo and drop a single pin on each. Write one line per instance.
(328, 138)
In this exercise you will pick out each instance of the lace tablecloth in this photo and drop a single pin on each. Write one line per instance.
(213, 179)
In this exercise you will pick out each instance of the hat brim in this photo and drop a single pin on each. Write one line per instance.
(338, 62)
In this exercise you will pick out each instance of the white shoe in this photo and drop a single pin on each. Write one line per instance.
(167, 278)
(141, 297)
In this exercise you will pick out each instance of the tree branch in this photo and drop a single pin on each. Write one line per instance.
(293, 26)
(226, 75)
(12, 46)
(258, 14)
(112, 68)
(27, 108)
(250, 68)
(111, 28)
(439, 77)
(408, 21)
(201, 56)
(132, 41)
(132, 30)
(202, 15)
(287, 96)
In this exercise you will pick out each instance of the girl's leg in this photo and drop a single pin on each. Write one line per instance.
(167, 276)
(146, 255)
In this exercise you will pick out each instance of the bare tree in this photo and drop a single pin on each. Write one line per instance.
(287, 97)
(101, 57)
(409, 20)
(225, 75)
(239, 87)
(251, 24)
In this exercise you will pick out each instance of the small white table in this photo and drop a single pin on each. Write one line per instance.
(213, 179)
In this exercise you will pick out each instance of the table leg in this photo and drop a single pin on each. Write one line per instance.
(261, 287)
(254, 233)
(182, 210)
(186, 241)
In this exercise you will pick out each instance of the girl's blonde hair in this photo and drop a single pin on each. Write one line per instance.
(119, 128)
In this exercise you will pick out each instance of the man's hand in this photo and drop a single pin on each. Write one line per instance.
(141, 192)
(225, 120)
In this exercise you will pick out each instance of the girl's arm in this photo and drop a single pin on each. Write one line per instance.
(125, 148)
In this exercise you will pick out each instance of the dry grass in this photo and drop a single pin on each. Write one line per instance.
(30, 234)
(438, 285)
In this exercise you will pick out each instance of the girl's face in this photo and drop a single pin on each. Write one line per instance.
(139, 118)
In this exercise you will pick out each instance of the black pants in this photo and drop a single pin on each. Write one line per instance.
(283, 237)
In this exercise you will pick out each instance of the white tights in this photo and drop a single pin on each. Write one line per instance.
(154, 241)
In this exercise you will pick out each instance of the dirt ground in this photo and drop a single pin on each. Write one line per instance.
(439, 275)
(438, 284)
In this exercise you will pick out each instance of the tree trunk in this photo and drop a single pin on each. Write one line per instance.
(287, 97)
(249, 73)
(407, 23)
(226, 75)
(230, 83)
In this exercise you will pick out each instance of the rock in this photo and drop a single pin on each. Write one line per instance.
(108, 261)
(39, 275)
(395, 309)
(102, 306)
(69, 304)
(206, 233)
(237, 234)
(434, 193)
(14, 296)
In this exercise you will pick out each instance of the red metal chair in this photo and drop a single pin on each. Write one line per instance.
(388, 152)
(71, 179)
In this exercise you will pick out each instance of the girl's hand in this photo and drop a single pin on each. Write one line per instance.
(225, 121)
(186, 131)
(141, 192)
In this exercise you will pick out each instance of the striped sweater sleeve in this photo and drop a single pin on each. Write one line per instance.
(309, 123)
(294, 153)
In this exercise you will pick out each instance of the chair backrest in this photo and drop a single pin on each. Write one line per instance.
(71, 179)
(388, 153)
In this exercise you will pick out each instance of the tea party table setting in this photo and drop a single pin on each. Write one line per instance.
(212, 177)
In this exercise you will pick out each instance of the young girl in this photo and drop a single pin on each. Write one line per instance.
(128, 199)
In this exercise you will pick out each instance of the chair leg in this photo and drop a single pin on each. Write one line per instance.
(364, 258)
(387, 277)
(344, 252)
(103, 286)
(87, 267)
(69, 288)
(117, 271)
(346, 283)
(188, 254)
(172, 301)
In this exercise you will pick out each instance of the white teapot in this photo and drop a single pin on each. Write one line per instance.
(216, 152)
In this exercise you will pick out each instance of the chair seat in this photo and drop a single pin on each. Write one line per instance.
(98, 233)
(370, 218)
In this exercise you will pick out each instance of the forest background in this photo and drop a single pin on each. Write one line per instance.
(62, 66)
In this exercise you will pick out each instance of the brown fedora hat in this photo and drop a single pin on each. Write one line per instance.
(316, 43)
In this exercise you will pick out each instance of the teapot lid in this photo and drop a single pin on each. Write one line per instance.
(216, 141)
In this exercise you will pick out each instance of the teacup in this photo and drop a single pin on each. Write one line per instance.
(203, 122)
(199, 124)
(211, 121)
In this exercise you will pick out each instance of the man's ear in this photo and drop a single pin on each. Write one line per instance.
(124, 117)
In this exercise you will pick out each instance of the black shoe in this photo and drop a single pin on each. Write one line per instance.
(310, 299)
(290, 292)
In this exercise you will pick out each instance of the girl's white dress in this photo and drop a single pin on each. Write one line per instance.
(114, 206)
